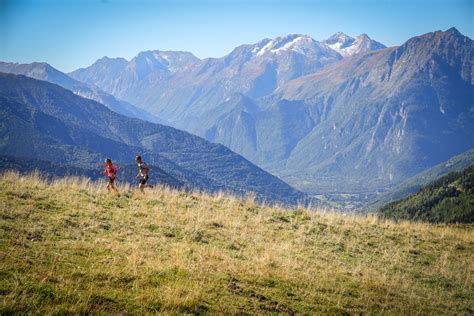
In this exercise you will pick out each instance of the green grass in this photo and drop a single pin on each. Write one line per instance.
(69, 247)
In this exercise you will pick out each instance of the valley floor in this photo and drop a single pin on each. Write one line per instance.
(68, 246)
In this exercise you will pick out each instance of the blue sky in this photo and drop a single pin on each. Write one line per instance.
(70, 34)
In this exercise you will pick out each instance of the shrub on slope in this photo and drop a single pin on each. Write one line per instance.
(450, 199)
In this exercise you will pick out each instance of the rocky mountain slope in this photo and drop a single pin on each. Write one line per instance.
(387, 115)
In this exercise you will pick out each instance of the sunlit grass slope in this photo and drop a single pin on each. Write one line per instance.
(68, 246)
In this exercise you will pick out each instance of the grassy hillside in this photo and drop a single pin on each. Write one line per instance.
(51, 170)
(68, 246)
(450, 199)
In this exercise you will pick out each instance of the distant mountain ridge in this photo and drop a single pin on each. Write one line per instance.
(178, 86)
(117, 74)
(348, 46)
(44, 71)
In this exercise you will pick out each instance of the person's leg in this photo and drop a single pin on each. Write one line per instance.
(112, 184)
(145, 182)
(141, 186)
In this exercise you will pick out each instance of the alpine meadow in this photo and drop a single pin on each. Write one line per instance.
(69, 247)
(236, 157)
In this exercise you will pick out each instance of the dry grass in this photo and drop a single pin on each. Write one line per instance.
(69, 247)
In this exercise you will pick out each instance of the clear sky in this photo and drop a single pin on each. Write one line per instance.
(70, 34)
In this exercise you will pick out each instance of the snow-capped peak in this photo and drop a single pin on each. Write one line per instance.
(295, 42)
(347, 45)
(339, 38)
(364, 36)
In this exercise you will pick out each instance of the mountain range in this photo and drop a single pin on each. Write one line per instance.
(386, 115)
(46, 122)
(347, 45)
(44, 71)
(341, 115)
(179, 87)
